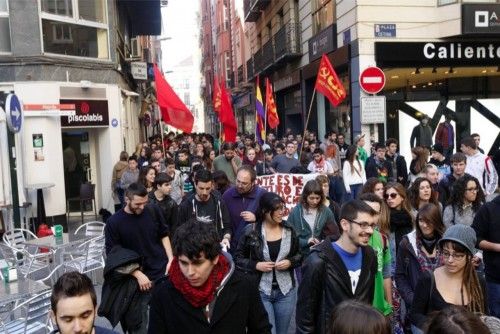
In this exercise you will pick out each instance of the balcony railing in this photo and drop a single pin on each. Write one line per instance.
(251, 14)
(257, 62)
(250, 70)
(287, 42)
(241, 78)
(267, 55)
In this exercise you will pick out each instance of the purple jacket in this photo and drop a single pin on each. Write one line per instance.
(236, 203)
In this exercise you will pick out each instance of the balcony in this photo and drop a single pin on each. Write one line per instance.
(252, 9)
(250, 70)
(257, 62)
(287, 43)
(267, 55)
(241, 78)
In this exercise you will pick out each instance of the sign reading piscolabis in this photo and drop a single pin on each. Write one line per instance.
(287, 186)
(87, 113)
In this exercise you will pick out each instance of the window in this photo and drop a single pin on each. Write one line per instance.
(227, 64)
(225, 17)
(75, 28)
(4, 27)
(323, 14)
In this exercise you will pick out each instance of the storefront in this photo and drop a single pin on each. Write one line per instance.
(245, 112)
(289, 102)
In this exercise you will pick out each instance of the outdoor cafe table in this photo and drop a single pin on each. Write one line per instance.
(57, 244)
(22, 288)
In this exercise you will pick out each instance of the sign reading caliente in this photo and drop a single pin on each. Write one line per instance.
(437, 54)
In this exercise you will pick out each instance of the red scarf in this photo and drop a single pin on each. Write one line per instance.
(203, 295)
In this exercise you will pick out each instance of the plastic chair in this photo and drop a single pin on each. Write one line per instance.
(92, 229)
(87, 193)
(31, 316)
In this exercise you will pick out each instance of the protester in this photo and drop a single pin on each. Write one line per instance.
(250, 157)
(283, 163)
(74, 305)
(445, 136)
(319, 164)
(338, 271)
(441, 161)
(359, 142)
(422, 134)
(377, 166)
(221, 182)
(269, 250)
(228, 162)
(183, 164)
(419, 155)
(353, 172)
(264, 167)
(147, 176)
(177, 183)
(161, 197)
(324, 182)
(459, 163)
(466, 198)
(431, 173)
(455, 319)
(477, 140)
(401, 221)
(343, 146)
(480, 166)
(354, 317)
(203, 293)
(118, 169)
(454, 283)
(421, 193)
(397, 161)
(311, 219)
(130, 175)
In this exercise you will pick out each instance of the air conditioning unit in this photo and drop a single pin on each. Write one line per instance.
(135, 50)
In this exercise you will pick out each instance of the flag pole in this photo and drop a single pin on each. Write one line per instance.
(161, 133)
(265, 117)
(307, 122)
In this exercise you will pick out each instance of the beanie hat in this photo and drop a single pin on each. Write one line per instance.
(461, 234)
(358, 138)
(438, 148)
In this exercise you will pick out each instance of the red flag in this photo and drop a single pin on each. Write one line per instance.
(217, 96)
(328, 83)
(173, 111)
(272, 114)
(226, 116)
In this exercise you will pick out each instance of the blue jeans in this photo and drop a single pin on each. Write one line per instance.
(355, 190)
(279, 308)
(493, 292)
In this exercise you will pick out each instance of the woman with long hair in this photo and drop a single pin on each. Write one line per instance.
(454, 283)
(208, 159)
(324, 182)
(401, 222)
(143, 158)
(269, 250)
(376, 186)
(354, 317)
(421, 193)
(311, 219)
(456, 319)
(418, 251)
(147, 177)
(354, 173)
(420, 156)
(467, 196)
(250, 157)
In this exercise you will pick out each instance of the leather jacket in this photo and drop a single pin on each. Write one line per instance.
(326, 283)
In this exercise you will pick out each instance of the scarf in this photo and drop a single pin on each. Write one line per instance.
(426, 263)
(203, 295)
(282, 276)
(319, 166)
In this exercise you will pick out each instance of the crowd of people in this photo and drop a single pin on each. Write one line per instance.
(372, 237)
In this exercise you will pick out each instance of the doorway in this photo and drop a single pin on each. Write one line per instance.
(77, 166)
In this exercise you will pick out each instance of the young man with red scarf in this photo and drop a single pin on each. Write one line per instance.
(320, 164)
(202, 292)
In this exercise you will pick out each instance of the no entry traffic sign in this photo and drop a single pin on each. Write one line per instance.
(372, 80)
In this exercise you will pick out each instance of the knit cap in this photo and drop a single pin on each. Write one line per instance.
(461, 234)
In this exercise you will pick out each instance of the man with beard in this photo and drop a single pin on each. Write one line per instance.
(205, 206)
(319, 164)
(74, 305)
(242, 201)
(141, 228)
(337, 271)
(203, 293)
(228, 162)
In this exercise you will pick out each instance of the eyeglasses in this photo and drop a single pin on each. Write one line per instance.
(362, 225)
(391, 195)
(475, 189)
(455, 256)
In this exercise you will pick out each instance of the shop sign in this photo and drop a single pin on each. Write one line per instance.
(87, 113)
(437, 54)
(323, 42)
(373, 110)
(385, 30)
(139, 70)
(480, 19)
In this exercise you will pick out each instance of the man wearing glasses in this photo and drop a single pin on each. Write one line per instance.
(338, 271)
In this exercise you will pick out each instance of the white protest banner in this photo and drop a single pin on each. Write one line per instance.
(287, 186)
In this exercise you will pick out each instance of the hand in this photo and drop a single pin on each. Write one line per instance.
(226, 244)
(312, 241)
(283, 264)
(248, 216)
(143, 281)
(264, 266)
(476, 261)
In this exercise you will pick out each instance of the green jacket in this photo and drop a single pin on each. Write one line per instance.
(303, 230)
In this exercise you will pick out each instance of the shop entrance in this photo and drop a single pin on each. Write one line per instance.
(77, 167)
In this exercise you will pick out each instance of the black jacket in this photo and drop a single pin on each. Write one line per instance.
(250, 250)
(187, 210)
(237, 309)
(169, 208)
(120, 291)
(382, 170)
(326, 283)
(398, 164)
(487, 227)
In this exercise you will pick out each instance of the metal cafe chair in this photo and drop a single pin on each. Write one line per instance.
(87, 193)
(87, 257)
(92, 229)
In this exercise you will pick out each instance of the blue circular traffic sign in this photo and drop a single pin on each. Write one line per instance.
(14, 112)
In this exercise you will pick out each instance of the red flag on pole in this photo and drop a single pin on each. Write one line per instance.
(272, 113)
(173, 111)
(217, 96)
(226, 116)
(328, 83)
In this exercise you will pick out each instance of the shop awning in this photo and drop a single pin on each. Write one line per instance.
(144, 16)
